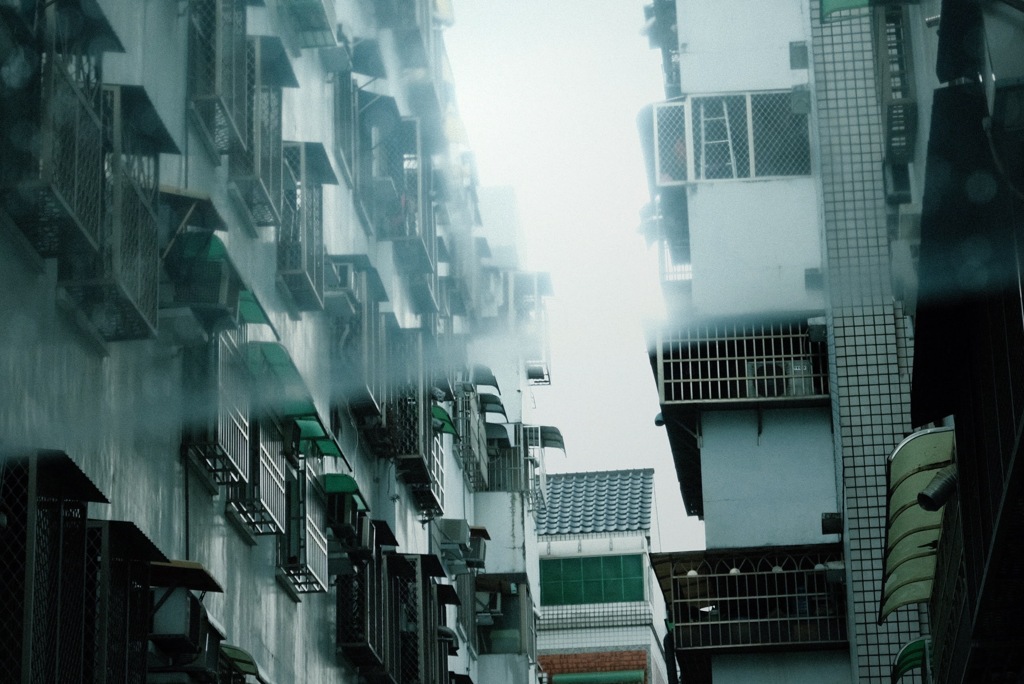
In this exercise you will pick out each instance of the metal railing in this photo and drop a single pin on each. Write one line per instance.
(300, 241)
(261, 502)
(218, 73)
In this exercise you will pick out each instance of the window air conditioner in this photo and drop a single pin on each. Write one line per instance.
(477, 553)
(178, 621)
(488, 607)
(342, 297)
(453, 536)
(776, 379)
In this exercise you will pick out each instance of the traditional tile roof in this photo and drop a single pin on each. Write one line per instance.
(598, 502)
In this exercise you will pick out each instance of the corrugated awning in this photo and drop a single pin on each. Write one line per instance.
(912, 533)
(59, 477)
(491, 403)
(240, 661)
(128, 542)
(482, 375)
(183, 573)
(546, 437)
(251, 311)
(496, 432)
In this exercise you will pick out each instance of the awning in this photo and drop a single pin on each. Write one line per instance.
(59, 477)
(439, 414)
(138, 111)
(383, 534)
(366, 58)
(128, 542)
(830, 6)
(183, 573)
(491, 403)
(192, 208)
(624, 676)
(497, 432)
(546, 437)
(251, 311)
(240, 661)
(318, 165)
(339, 483)
(280, 384)
(275, 66)
(448, 595)
(482, 375)
(912, 533)
(961, 49)
(912, 656)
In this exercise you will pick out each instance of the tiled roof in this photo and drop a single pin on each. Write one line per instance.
(598, 502)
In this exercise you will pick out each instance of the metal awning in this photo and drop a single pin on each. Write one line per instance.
(241, 662)
(912, 533)
(482, 375)
(546, 436)
(251, 311)
(366, 58)
(913, 656)
(496, 432)
(439, 414)
(339, 483)
(138, 111)
(384, 535)
(318, 164)
(183, 573)
(491, 403)
(192, 208)
(128, 542)
(447, 594)
(275, 65)
(59, 477)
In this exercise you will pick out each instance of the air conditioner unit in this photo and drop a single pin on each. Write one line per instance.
(779, 379)
(178, 621)
(488, 607)
(341, 290)
(477, 553)
(453, 536)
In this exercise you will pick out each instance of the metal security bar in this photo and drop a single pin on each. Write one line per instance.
(303, 548)
(741, 362)
(731, 137)
(218, 73)
(300, 239)
(418, 617)
(895, 68)
(117, 289)
(345, 123)
(472, 447)
(216, 430)
(261, 502)
(360, 346)
(757, 599)
(255, 162)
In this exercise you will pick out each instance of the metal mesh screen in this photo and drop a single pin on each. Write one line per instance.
(781, 136)
(729, 362)
(720, 142)
(217, 72)
(14, 544)
(670, 150)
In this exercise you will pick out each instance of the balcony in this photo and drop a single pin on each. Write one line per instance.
(117, 288)
(300, 239)
(255, 160)
(218, 74)
(747, 600)
(742, 364)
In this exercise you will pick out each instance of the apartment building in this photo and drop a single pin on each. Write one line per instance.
(602, 611)
(783, 166)
(263, 357)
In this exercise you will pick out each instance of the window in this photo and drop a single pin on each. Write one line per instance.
(591, 579)
(744, 135)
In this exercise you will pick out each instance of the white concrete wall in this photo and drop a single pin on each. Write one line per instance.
(751, 243)
(767, 489)
(724, 47)
(811, 667)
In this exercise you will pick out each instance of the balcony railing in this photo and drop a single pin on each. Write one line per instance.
(261, 502)
(303, 547)
(472, 447)
(753, 599)
(218, 73)
(300, 242)
(742, 363)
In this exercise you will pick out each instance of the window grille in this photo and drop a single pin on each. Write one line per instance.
(303, 547)
(219, 77)
(360, 345)
(216, 407)
(117, 289)
(758, 599)
(367, 630)
(720, 137)
(742, 362)
(260, 503)
(345, 123)
(418, 616)
(255, 162)
(300, 239)
(472, 447)
(895, 67)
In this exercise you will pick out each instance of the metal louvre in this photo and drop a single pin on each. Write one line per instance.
(737, 362)
(303, 548)
(754, 599)
(255, 164)
(300, 239)
(261, 502)
(217, 412)
(218, 77)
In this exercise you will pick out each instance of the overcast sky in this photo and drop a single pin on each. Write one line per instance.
(549, 91)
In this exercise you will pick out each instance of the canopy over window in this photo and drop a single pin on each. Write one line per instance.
(912, 533)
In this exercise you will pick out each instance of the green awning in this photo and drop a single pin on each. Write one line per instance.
(447, 426)
(830, 6)
(280, 386)
(239, 660)
(912, 533)
(912, 656)
(250, 310)
(339, 483)
(618, 677)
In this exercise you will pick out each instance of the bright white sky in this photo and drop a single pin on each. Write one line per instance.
(549, 91)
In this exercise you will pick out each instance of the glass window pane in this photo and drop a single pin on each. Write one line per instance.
(571, 569)
(572, 592)
(633, 589)
(591, 567)
(593, 591)
(612, 567)
(550, 594)
(632, 566)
